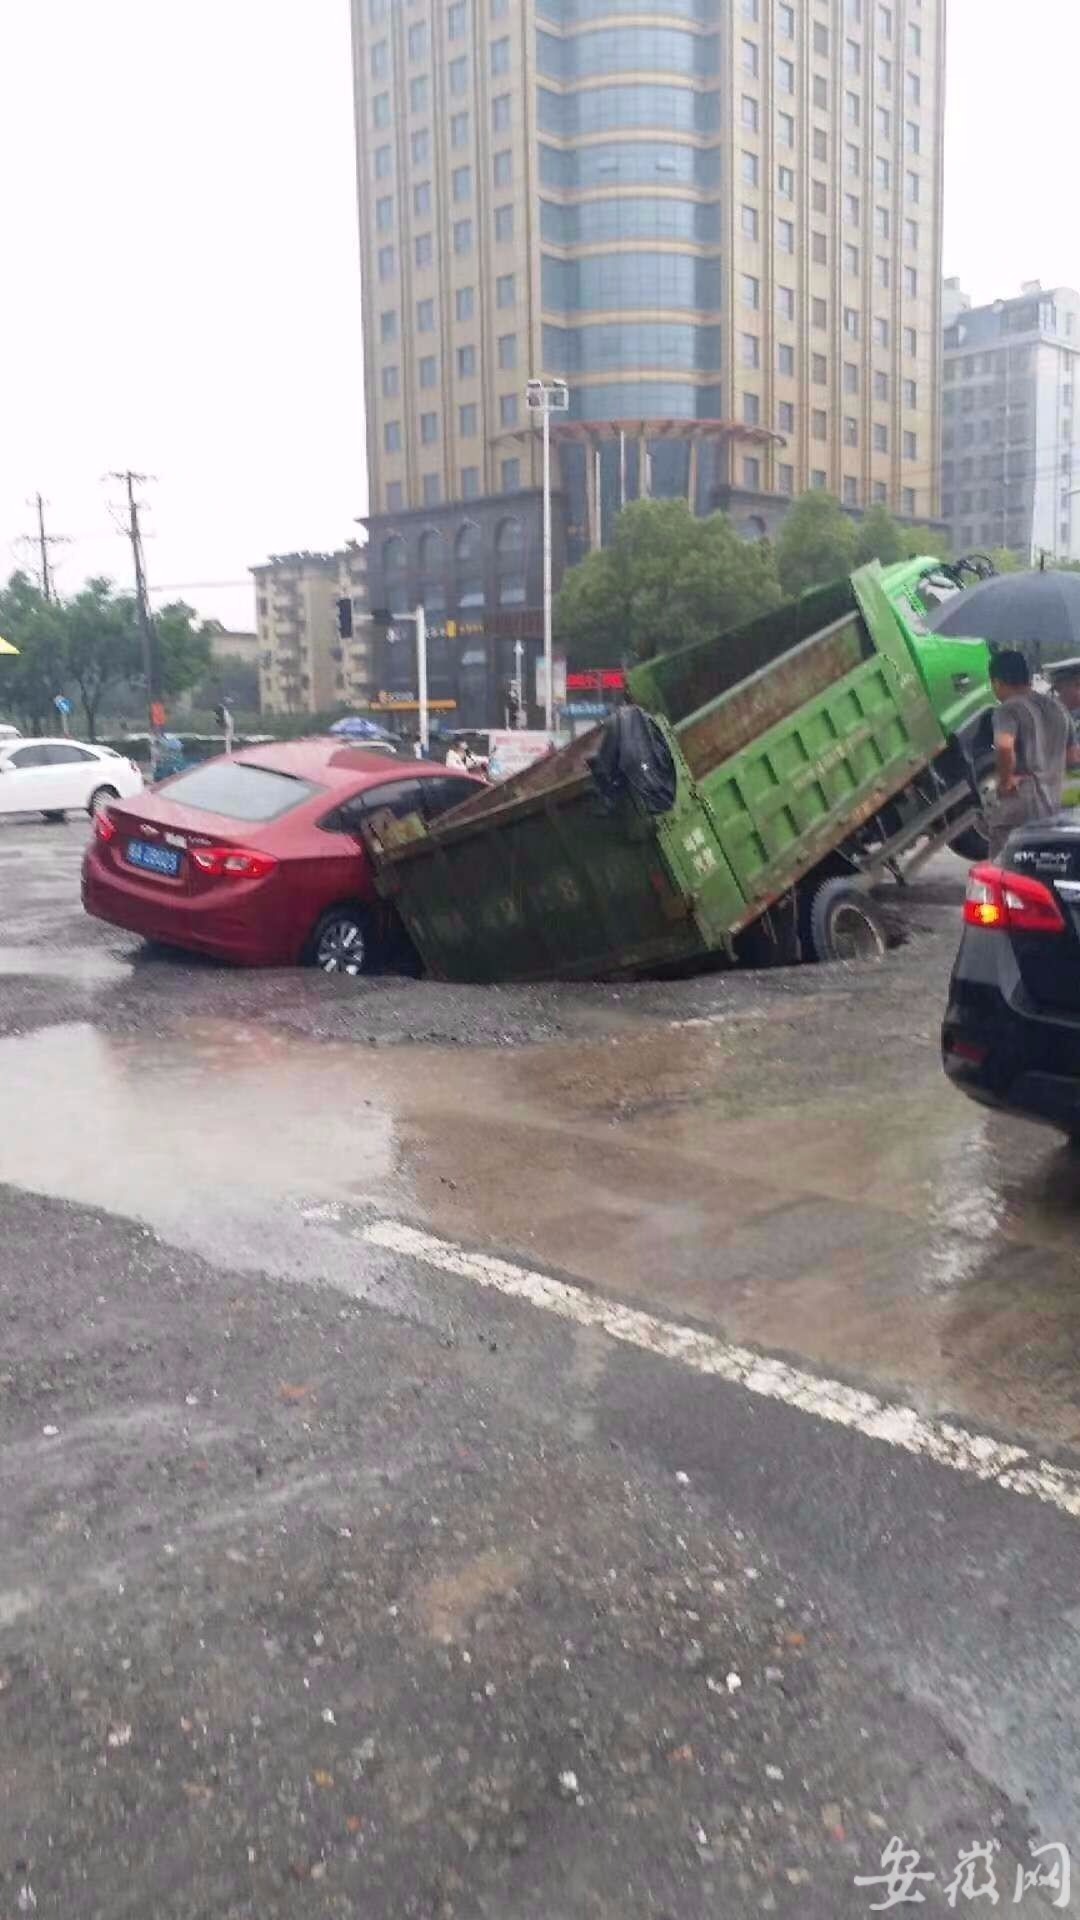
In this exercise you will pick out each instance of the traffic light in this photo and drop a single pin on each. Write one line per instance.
(345, 618)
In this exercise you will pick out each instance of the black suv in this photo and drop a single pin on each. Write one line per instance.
(1011, 1035)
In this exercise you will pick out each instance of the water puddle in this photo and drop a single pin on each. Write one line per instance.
(83, 966)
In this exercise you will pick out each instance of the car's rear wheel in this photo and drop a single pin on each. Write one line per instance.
(100, 798)
(344, 942)
(846, 925)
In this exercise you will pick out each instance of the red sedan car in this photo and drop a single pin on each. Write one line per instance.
(259, 858)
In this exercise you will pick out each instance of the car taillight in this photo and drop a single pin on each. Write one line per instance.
(1011, 901)
(232, 863)
(104, 826)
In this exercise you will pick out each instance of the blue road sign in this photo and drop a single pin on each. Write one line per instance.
(61, 704)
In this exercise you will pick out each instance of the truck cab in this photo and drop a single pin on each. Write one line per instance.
(954, 672)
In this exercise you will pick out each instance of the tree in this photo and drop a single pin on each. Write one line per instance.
(926, 540)
(816, 543)
(102, 644)
(879, 537)
(29, 682)
(183, 648)
(667, 580)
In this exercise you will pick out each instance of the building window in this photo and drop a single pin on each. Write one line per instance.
(384, 213)
(911, 282)
(751, 473)
(852, 209)
(907, 501)
(380, 110)
(881, 437)
(851, 377)
(882, 273)
(462, 236)
(817, 479)
(914, 38)
(386, 263)
(463, 303)
(505, 290)
(508, 410)
(817, 423)
(881, 222)
(422, 250)
(455, 20)
(879, 493)
(427, 370)
(819, 251)
(913, 89)
(851, 322)
(420, 147)
(785, 416)
(500, 56)
(392, 436)
(470, 482)
(388, 324)
(821, 144)
(425, 316)
(459, 129)
(430, 486)
(751, 171)
(510, 474)
(911, 446)
(750, 350)
(785, 74)
(504, 224)
(390, 387)
(785, 130)
(911, 233)
(851, 258)
(852, 109)
(852, 159)
(785, 183)
(881, 333)
(851, 431)
(749, 222)
(749, 290)
(882, 171)
(508, 350)
(911, 136)
(819, 314)
(852, 56)
(380, 60)
(461, 183)
(911, 342)
(418, 40)
(911, 187)
(466, 363)
(751, 410)
(750, 112)
(418, 94)
(785, 20)
(751, 10)
(884, 74)
(881, 386)
(459, 75)
(821, 91)
(467, 418)
(851, 491)
(785, 302)
(882, 123)
(910, 392)
(785, 236)
(395, 497)
(421, 198)
(751, 58)
(884, 22)
(384, 163)
(819, 370)
(500, 113)
(502, 168)
(785, 359)
(785, 480)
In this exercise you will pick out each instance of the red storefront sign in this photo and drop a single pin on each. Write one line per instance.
(596, 680)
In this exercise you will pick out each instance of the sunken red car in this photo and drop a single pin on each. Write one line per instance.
(259, 858)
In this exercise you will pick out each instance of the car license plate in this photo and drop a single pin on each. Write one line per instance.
(153, 859)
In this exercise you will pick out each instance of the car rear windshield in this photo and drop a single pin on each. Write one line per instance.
(240, 791)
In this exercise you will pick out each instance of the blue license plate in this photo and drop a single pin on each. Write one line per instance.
(153, 859)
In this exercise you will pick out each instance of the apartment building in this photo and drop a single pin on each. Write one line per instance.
(1011, 433)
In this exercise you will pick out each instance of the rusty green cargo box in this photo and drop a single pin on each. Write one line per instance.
(786, 734)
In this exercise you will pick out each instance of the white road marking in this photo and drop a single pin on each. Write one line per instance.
(1013, 1468)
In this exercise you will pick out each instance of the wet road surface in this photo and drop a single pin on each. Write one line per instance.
(296, 1469)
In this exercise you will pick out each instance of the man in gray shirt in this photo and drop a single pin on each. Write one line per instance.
(1031, 738)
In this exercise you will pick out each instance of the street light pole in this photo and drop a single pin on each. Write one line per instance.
(420, 617)
(546, 397)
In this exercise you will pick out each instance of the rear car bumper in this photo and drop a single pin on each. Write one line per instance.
(999, 1049)
(240, 926)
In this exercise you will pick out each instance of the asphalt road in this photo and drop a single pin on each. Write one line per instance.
(564, 1453)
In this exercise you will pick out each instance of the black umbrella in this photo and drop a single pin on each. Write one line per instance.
(1037, 612)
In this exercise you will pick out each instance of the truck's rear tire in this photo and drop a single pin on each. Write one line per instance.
(846, 924)
(974, 843)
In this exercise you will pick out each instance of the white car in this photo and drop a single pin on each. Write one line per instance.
(53, 776)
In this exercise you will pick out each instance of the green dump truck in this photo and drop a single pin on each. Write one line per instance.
(800, 757)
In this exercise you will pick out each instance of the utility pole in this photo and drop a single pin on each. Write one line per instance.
(43, 541)
(155, 713)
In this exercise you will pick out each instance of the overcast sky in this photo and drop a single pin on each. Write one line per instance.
(181, 292)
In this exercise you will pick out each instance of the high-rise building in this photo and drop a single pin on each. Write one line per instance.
(1011, 433)
(717, 220)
